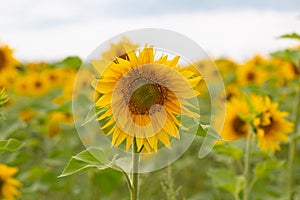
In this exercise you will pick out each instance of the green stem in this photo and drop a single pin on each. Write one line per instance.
(135, 170)
(292, 147)
(246, 188)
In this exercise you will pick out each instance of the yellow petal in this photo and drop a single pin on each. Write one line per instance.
(105, 100)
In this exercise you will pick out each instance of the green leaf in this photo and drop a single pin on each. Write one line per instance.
(265, 168)
(113, 177)
(291, 36)
(288, 55)
(69, 62)
(226, 180)
(208, 130)
(10, 145)
(89, 158)
(229, 150)
(92, 115)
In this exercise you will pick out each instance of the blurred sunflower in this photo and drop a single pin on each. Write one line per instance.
(27, 114)
(226, 66)
(8, 78)
(56, 120)
(119, 49)
(271, 125)
(22, 85)
(143, 97)
(234, 126)
(35, 66)
(7, 60)
(284, 71)
(8, 185)
(38, 85)
(258, 60)
(54, 76)
(250, 74)
(232, 91)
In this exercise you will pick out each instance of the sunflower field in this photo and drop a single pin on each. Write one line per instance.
(256, 152)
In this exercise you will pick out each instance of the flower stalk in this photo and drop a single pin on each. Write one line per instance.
(135, 170)
(292, 146)
(246, 188)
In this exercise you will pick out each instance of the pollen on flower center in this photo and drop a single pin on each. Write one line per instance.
(145, 96)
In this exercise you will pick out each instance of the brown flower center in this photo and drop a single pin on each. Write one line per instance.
(2, 60)
(250, 76)
(1, 185)
(267, 122)
(146, 95)
(38, 84)
(239, 126)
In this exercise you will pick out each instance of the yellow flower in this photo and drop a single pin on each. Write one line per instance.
(7, 60)
(271, 125)
(250, 74)
(8, 185)
(35, 66)
(27, 114)
(284, 71)
(226, 66)
(38, 85)
(119, 50)
(8, 78)
(234, 126)
(204, 69)
(55, 120)
(258, 60)
(142, 98)
(55, 77)
(22, 85)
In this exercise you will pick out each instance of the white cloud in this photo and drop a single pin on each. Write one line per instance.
(57, 29)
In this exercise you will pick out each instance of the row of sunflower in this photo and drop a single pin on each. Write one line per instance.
(260, 109)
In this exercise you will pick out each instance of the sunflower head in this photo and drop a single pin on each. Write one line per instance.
(7, 60)
(142, 98)
(271, 126)
(250, 74)
(8, 184)
(234, 126)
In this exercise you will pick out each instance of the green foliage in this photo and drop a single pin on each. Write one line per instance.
(265, 168)
(288, 55)
(69, 62)
(90, 158)
(226, 180)
(291, 36)
(10, 145)
(229, 150)
(108, 180)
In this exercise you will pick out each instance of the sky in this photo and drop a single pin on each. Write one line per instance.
(51, 30)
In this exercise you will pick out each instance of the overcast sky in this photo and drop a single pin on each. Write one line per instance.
(54, 29)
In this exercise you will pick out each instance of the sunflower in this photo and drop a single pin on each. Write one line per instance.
(271, 125)
(143, 98)
(8, 78)
(8, 185)
(284, 71)
(234, 126)
(56, 120)
(54, 76)
(250, 74)
(38, 85)
(36, 66)
(226, 66)
(7, 60)
(119, 49)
